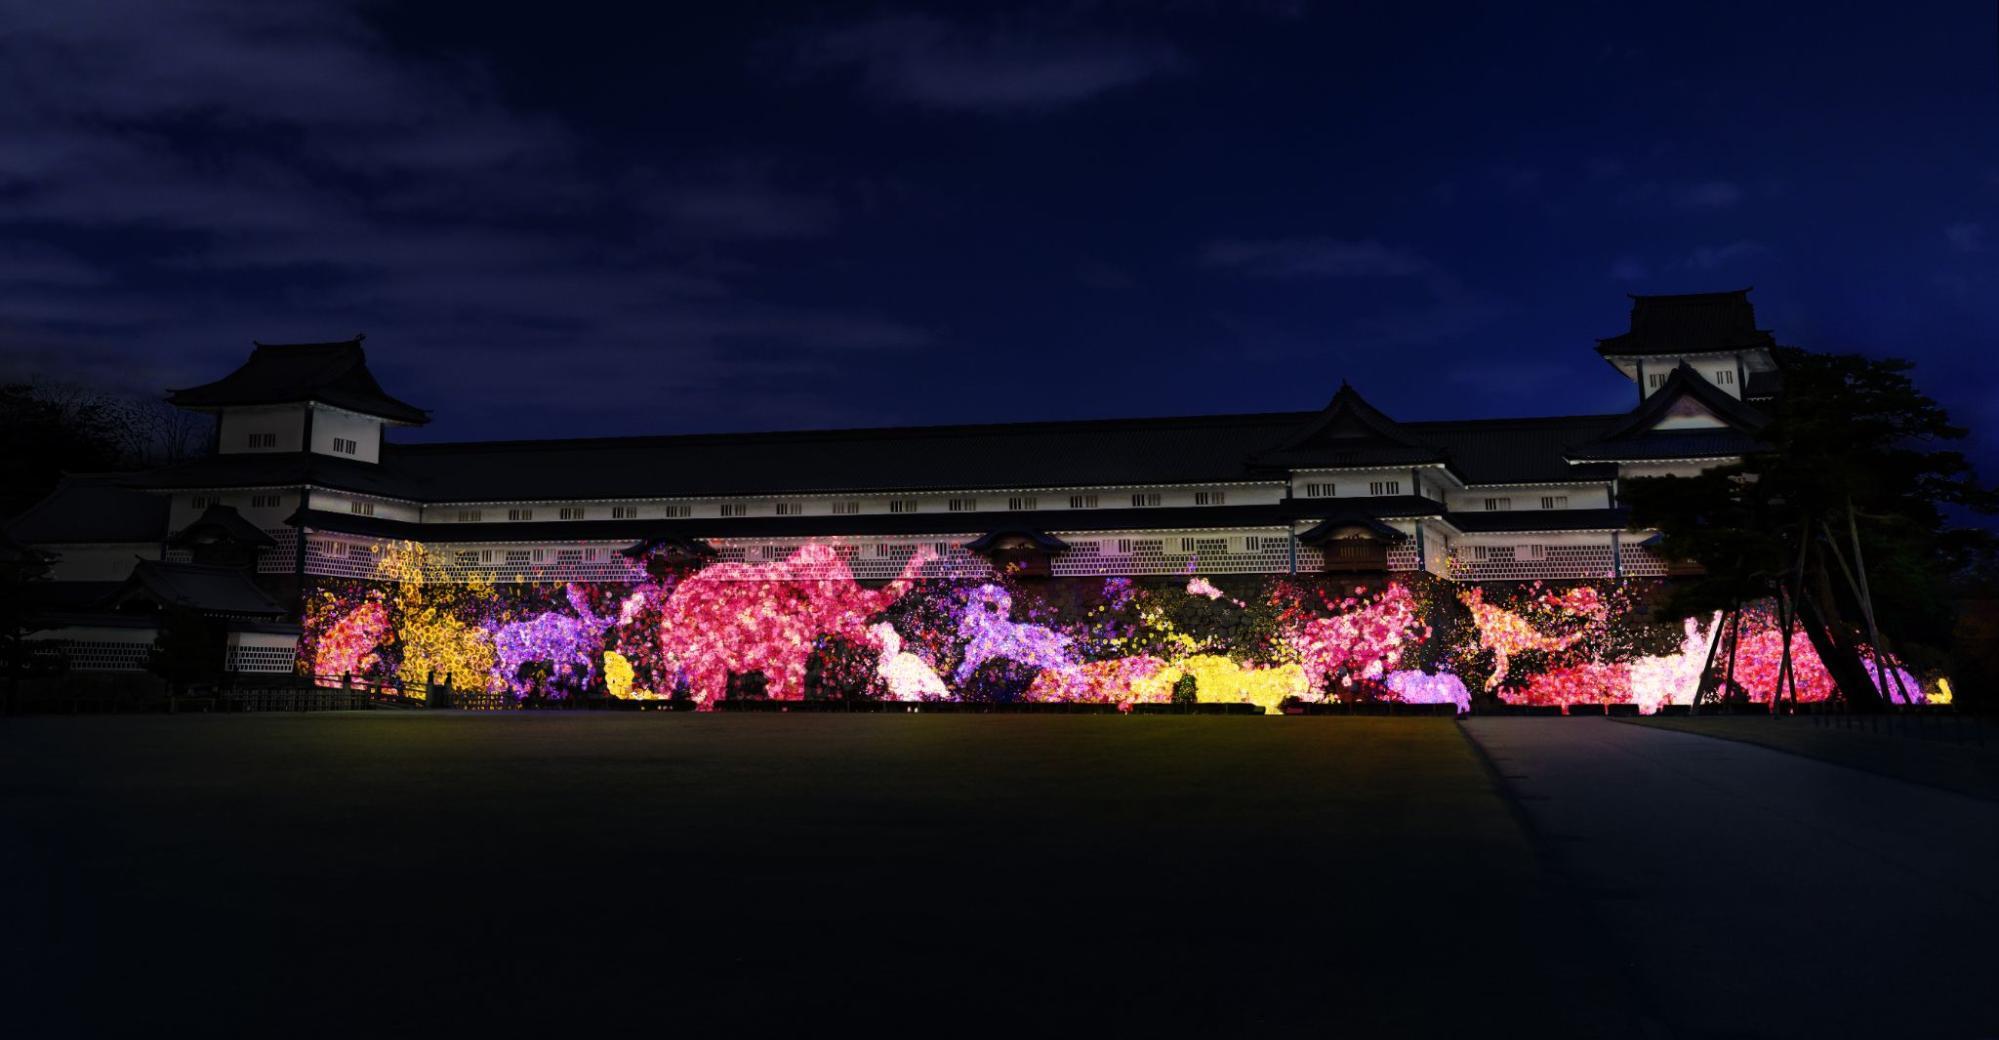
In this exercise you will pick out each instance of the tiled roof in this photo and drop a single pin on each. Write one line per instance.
(1350, 432)
(1635, 438)
(96, 508)
(193, 586)
(1507, 520)
(221, 522)
(284, 373)
(1686, 324)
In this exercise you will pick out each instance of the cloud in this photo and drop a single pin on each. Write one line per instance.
(1707, 195)
(191, 176)
(1315, 258)
(996, 66)
(1968, 237)
(1707, 258)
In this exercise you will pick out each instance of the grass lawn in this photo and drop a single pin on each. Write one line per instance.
(1966, 768)
(320, 874)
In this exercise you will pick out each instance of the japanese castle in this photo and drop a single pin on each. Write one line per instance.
(305, 481)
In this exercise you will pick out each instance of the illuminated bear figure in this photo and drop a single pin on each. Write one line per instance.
(555, 637)
(740, 617)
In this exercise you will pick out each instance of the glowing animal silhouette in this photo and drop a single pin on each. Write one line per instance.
(348, 647)
(907, 676)
(1506, 633)
(740, 617)
(561, 640)
(985, 623)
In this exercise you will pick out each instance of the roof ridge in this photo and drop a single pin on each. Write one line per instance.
(859, 432)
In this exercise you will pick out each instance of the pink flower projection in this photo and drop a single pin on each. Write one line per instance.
(990, 633)
(348, 647)
(1506, 633)
(559, 639)
(740, 617)
(1365, 640)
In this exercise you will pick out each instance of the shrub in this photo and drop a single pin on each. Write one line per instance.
(1186, 689)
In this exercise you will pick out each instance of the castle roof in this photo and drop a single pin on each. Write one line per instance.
(289, 373)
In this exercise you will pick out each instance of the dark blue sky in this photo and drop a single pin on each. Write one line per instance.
(593, 219)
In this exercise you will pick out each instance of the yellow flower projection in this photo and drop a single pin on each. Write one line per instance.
(429, 608)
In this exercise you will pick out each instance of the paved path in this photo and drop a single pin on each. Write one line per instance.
(1749, 892)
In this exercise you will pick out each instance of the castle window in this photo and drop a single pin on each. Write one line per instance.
(1319, 491)
(1554, 501)
(1384, 487)
(964, 505)
(341, 445)
(624, 512)
(847, 508)
(1144, 499)
(265, 501)
(470, 516)
(1493, 504)
(902, 505)
(1023, 502)
(359, 508)
(734, 509)
(790, 508)
(1655, 380)
(677, 512)
(1210, 498)
(1082, 501)
(570, 513)
(1724, 377)
(520, 514)
(199, 501)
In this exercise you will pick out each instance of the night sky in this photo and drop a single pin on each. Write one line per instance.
(577, 219)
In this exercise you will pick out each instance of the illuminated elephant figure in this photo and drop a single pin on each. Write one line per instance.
(561, 640)
(735, 618)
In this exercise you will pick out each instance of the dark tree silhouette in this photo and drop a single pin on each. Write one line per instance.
(1843, 521)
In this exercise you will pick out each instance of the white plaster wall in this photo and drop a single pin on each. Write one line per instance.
(1354, 483)
(328, 423)
(1528, 499)
(237, 424)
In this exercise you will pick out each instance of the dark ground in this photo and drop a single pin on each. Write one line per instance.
(601, 875)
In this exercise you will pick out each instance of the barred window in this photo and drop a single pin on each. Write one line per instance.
(677, 512)
(1143, 499)
(964, 505)
(1384, 487)
(1554, 501)
(1210, 498)
(263, 440)
(1320, 491)
(360, 508)
(471, 516)
(1023, 502)
(846, 508)
(790, 508)
(1082, 501)
(570, 513)
(199, 501)
(624, 512)
(520, 514)
(902, 505)
(1493, 504)
(735, 509)
(266, 501)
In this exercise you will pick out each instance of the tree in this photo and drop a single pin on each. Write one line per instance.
(1842, 521)
(19, 565)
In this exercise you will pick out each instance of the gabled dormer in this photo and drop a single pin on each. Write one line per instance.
(316, 398)
(1715, 334)
(1349, 433)
(1687, 420)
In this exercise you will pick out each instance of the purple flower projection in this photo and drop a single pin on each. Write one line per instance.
(990, 633)
(556, 638)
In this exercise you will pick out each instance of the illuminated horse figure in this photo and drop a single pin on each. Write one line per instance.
(985, 623)
(555, 637)
(734, 618)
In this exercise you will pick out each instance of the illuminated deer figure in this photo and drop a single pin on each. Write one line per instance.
(555, 637)
(990, 633)
(735, 618)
